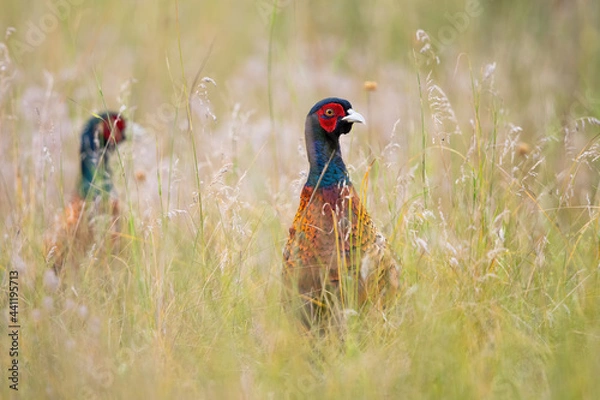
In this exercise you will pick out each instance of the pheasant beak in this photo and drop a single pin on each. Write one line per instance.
(353, 116)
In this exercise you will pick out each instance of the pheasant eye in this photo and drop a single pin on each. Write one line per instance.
(329, 112)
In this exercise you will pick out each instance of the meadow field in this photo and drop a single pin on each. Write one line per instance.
(480, 159)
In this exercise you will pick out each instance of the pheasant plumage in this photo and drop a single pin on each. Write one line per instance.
(95, 199)
(334, 252)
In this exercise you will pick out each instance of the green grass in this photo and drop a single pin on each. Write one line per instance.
(484, 178)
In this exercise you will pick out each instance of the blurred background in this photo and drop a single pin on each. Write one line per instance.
(481, 152)
(268, 61)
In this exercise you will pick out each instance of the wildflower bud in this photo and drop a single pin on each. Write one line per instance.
(370, 86)
(523, 149)
(140, 176)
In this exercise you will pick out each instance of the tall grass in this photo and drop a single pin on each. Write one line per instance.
(483, 174)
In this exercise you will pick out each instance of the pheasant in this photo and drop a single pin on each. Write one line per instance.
(334, 253)
(94, 201)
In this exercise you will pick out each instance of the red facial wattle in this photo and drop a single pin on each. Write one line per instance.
(117, 126)
(329, 115)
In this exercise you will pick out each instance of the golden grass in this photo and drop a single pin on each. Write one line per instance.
(483, 174)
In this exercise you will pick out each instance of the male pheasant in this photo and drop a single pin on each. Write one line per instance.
(335, 254)
(93, 210)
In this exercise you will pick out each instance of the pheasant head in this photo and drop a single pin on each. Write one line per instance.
(326, 122)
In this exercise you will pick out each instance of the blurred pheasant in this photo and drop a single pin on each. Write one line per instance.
(334, 253)
(94, 209)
